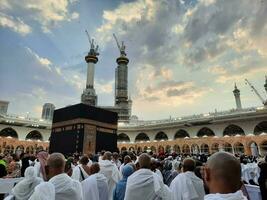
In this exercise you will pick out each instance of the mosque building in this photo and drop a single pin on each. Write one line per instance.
(240, 130)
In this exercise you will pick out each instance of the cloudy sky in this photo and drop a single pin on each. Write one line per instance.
(185, 56)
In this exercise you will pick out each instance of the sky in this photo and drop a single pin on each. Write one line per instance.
(185, 55)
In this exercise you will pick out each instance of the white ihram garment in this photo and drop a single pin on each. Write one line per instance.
(111, 172)
(145, 184)
(230, 196)
(66, 187)
(76, 173)
(44, 191)
(187, 186)
(95, 187)
(25, 188)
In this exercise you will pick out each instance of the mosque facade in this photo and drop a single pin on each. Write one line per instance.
(240, 130)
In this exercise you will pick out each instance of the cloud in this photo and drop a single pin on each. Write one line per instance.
(47, 14)
(15, 24)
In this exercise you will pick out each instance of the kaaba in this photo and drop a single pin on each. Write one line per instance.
(83, 129)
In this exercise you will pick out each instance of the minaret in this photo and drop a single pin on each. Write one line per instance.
(121, 83)
(89, 96)
(237, 98)
(121, 80)
(265, 85)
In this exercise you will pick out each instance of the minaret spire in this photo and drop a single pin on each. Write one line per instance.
(236, 92)
(89, 96)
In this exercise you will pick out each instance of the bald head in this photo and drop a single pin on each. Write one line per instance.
(144, 161)
(55, 164)
(223, 171)
(56, 161)
(189, 165)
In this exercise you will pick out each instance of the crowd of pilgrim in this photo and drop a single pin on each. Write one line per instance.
(130, 176)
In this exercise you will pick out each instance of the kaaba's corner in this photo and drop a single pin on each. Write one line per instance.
(83, 129)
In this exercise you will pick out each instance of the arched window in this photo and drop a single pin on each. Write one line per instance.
(195, 149)
(131, 149)
(8, 132)
(204, 148)
(186, 149)
(161, 149)
(123, 149)
(233, 130)
(141, 137)
(122, 137)
(168, 149)
(205, 132)
(34, 135)
(181, 134)
(239, 148)
(19, 149)
(263, 147)
(161, 136)
(260, 128)
(153, 149)
(227, 147)
(214, 148)
(176, 148)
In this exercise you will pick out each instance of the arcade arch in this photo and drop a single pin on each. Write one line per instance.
(9, 132)
(204, 148)
(153, 149)
(168, 149)
(181, 134)
(253, 147)
(214, 148)
(228, 147)
(161, 136)
(186, 149)
(123, 149)
(195, 149)
(176, 149)
(239, 148)
(260, 128)
(263, 147)
(34, 135)
(122, 137)
(233, 130)
(142, 137)
(19, 149)
(205, 132)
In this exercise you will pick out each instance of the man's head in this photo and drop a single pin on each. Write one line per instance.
(115, 156)
(127, 159)
(84, 160)
(95, 168)
(223, 173)
(107, 155)
(189, 165)
(144, 161)
(55, 164)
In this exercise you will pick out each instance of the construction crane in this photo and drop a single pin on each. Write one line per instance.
(120, 47)
(256, 92)
(93, 49)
